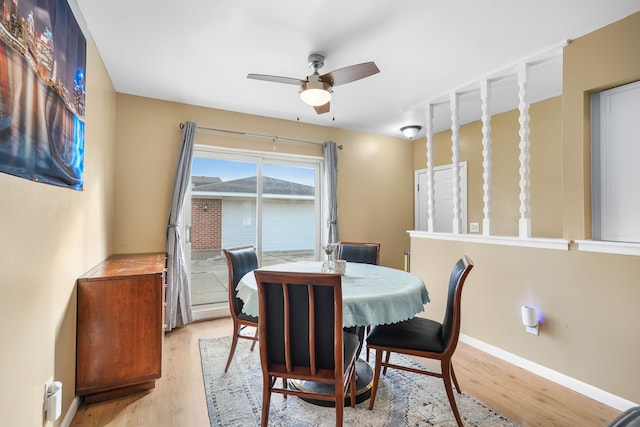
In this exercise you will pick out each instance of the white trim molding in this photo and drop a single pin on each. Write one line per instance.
(219, 311)
(71, 412)
(619, 248)
(531, 242)
(583, 388)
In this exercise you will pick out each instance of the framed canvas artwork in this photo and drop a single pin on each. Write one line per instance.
(42, 92)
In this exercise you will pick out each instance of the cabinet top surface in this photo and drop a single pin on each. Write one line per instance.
(127, 265)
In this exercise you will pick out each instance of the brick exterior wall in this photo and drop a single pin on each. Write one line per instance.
(206, 225)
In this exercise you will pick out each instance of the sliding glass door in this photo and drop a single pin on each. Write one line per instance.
(268, 201)
(289, 213)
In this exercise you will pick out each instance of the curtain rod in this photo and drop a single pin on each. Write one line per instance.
(258, 135)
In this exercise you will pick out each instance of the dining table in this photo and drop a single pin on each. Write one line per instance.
(371, 295)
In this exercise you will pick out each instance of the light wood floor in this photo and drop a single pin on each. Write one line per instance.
(179, 401)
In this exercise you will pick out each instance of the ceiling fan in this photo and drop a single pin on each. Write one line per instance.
(316, 89)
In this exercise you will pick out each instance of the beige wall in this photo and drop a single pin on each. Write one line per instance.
(375, 196)
(50, 236)
(588, 300)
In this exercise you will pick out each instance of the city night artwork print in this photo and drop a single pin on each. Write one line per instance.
(42, 92)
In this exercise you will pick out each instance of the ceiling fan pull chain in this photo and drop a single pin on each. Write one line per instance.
(333, 109)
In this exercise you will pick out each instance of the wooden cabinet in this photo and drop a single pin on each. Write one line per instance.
(120, 326)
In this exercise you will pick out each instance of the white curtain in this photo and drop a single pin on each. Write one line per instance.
(178, 311)
(330, 154)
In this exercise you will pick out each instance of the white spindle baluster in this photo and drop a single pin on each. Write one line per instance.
(455, 142)
(485, 94)
(430, 182)
(523, 106)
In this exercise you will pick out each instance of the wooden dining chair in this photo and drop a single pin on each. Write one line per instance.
(301, 337)
(240, 261)
(363, 252)
(425, 338)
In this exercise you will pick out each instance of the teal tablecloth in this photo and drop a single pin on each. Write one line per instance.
(371, 294)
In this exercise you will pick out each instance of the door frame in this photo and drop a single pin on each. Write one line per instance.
(259, 157)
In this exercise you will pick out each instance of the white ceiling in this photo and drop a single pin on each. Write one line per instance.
(200, 51)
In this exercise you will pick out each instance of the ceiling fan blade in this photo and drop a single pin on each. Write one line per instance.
(350, 73)
(276, 79)
(321, 109)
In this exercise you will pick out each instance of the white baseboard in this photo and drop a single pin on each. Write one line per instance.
(551, 375)
(73, 408)
(210, 313)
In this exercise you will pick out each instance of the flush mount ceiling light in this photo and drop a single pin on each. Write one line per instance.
(410, 131)
(315, 92)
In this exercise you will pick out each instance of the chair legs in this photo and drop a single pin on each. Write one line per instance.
(455, 380)
(352, 388)
(255, 341)
(267, 384)
(386, 361)
(234, 342)
(448, 377)
(447, 373)
(376, 378)
(339, 393)
(367, 330)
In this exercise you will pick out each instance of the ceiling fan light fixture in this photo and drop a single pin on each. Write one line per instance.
(315, 93)
(410, 131)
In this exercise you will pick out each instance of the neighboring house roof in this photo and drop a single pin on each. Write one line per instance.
(249, 185)
(198, 181)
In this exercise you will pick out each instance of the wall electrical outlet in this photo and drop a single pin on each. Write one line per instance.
(474, 227)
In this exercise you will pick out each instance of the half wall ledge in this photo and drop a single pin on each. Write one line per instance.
(531, 242)
(619, 248)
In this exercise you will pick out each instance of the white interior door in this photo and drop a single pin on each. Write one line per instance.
(443, 198)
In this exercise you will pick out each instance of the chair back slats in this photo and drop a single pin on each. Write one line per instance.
(301, 317)
(287, 327)
(362, 252)
(312, 330)
(339, 348)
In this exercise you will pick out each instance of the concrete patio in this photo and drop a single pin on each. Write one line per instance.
(209, 274)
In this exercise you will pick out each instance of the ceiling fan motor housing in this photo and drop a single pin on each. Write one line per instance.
(316, 61)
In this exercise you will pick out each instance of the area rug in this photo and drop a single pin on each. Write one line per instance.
(234, 398)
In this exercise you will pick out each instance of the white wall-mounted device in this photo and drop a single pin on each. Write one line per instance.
(53, 401)
(530, 320)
